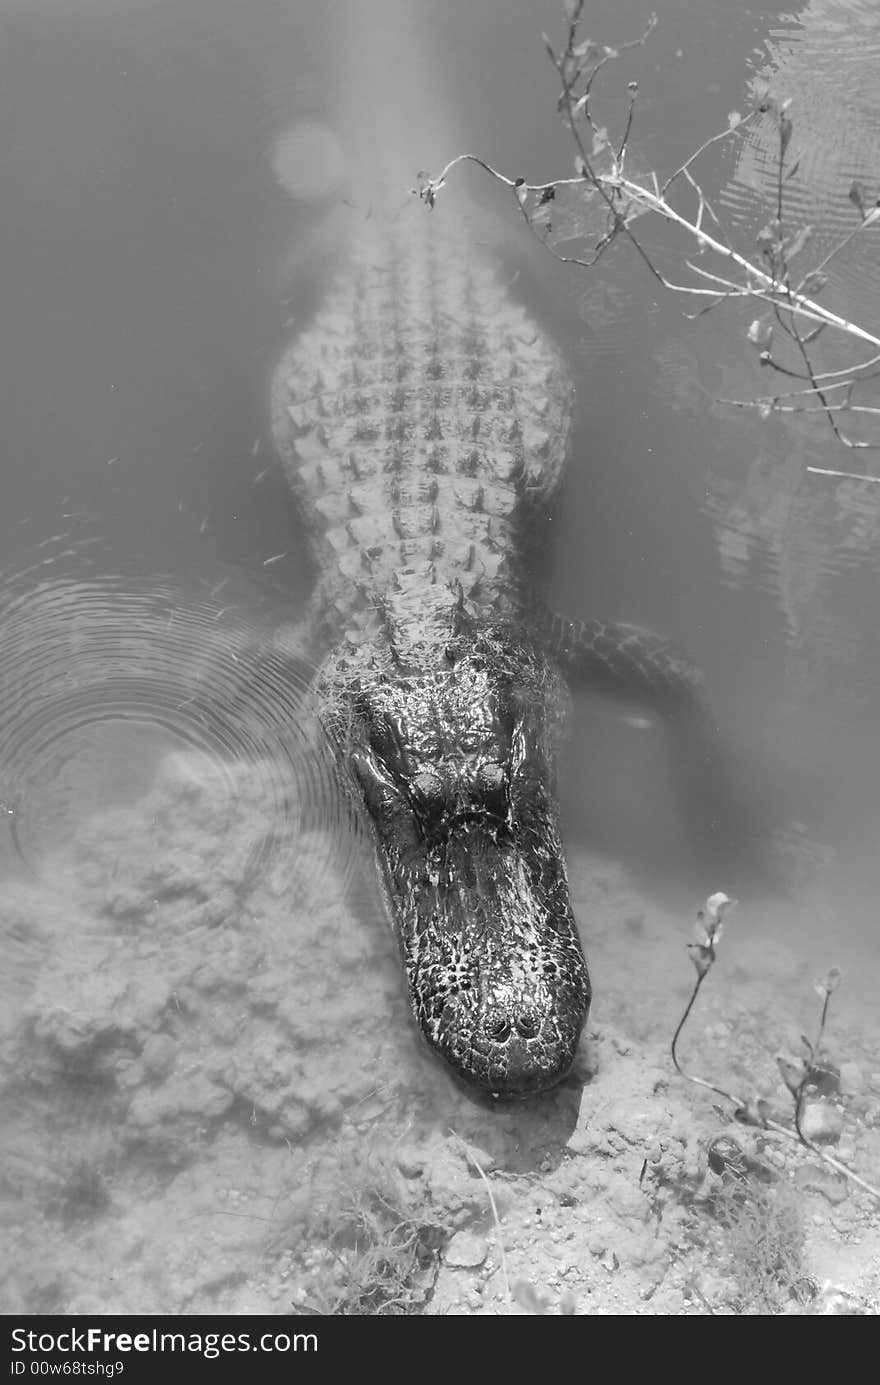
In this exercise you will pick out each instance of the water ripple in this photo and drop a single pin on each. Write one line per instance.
(130, 704)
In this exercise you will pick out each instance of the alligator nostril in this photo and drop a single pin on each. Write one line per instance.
(499, 1030)
(527, 1025)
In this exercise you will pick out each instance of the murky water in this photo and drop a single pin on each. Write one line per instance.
(203, 1014)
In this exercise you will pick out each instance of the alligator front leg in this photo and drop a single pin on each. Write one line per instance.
(621, 659)
(719, 805)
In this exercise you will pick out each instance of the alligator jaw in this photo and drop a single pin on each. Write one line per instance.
(498, 978)
(455, 770)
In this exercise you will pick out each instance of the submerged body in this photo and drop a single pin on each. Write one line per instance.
(423, 421)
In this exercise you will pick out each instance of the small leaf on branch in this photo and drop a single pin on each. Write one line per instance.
(521, 191)
(710, 919)
(765, 409)
(600, 140)
(702, 957)
(791, 1074)
(760, 332)
(769, 235)
(428, 187)
(785, 129)
(793, 170)
(814, 283)
(547, 194)
(707, 933)
(572, 10)
(797, 244)
(588, 49)
(570, 70)
(755, 1112)
(733, 119)
(829, 985)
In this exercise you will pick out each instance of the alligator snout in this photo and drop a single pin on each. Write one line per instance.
(501, 1026)
(507, 1047)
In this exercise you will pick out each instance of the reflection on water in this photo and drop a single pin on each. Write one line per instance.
(812, 541)
(212, 1093)
(308, 161)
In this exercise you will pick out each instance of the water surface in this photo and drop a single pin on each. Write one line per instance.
(203, 1012)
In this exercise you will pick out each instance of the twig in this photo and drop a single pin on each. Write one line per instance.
(472, 1158)
(703, 954)
(844, 475)
(578, 65)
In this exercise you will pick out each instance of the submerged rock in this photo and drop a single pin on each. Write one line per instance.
(466, 1251)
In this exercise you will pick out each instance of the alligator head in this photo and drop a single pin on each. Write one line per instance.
(455, 768)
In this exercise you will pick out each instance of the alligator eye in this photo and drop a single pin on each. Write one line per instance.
(428, 786)
(387, 736)
(492, 777)
(383, 800)
(492, 785)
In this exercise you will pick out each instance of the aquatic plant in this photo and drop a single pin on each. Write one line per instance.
(524, 1289)
(757, 1239)
(555, 212)
(811, 1072)
(379, 1249)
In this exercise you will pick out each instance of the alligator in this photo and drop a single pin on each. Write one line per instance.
(423, 420)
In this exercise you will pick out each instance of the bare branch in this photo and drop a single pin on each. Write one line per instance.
(704, 954)
(764, 276)
(844, 475)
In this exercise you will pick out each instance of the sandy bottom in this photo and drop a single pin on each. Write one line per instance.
(214, 1100)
